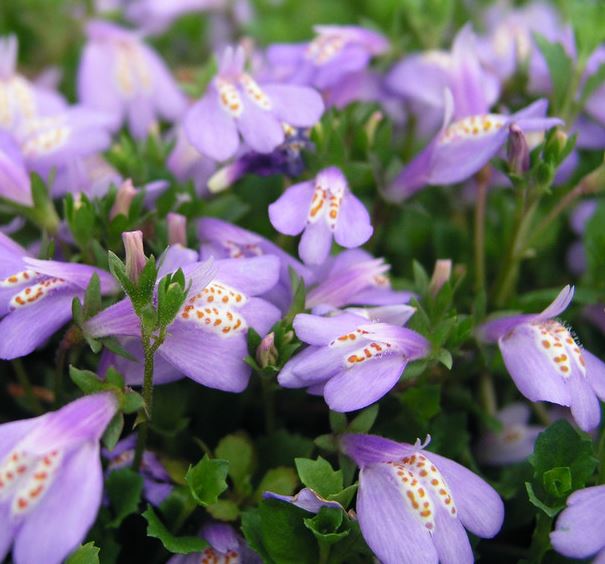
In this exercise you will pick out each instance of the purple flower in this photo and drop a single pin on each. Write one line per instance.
(463, 147)
(125, 78)
(580, 529)
(352, 360)
(21, 100)
(414, 505)
(14, 180)
(156, 481)
(90, 175)
(220, 239)
(306, 499)
(547, 364)
(334, 54)
(51, 479)
(207, 340)
(321, 209)
(474, 89)
(36, 297)
(226, 547)
(236, 104)
(353, 277)
(514, 442)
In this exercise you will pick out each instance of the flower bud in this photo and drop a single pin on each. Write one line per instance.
(135, 255)
(518, 151)
(177, 229)
(266, 353)
(441, 274)
(124, 197)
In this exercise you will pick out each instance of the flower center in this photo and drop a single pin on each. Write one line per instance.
(422, 485)
(237, 250)
(211, 556)
(35, 292)
(44, 135)
(27, 478)
(16, 100)
(324, 48)
(557, 344)
(131, 71)
(371, 348)
(214, 308)
(326, 203)
(255, 92)
(472, 126)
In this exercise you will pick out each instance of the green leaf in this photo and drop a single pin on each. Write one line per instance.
(118, 269)
(207, 479)
(124, 488)
(345, 496)
(557, 481)
(338, 422)
(132, 402)
(176, 545)
(281, 480)
(319, 476)
(239, 452)
(560, 67)
(87, 554)
(86, 380)
(281, 448)
(92, 297)
(224, 510)
(424, 402)
(252, 529)
(365, 420)
(112, 433)
(284, 533)
(537, 502)
(325, 525)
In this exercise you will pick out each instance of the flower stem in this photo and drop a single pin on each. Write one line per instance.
(269, 405)
(482, 180)
(32, 400)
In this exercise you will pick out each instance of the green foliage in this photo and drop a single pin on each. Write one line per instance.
(172, 543)
(207, 479)
(86, 554)
(124, 488)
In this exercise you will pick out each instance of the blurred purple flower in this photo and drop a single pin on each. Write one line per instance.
(463, 147)
(580, 528)
(547, 364)
(220, 239)
(156, 481)
(351, 360)
(321, 209)
(207, 340)
(514, 442)
(15, 185)
(236, 104)
(51, 479)
(126, 79)
(36, 297)
(414, 505)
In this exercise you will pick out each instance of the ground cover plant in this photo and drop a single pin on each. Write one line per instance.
(308, 282)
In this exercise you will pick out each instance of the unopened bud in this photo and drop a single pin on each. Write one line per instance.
(266, 353)
(135, 255)
(555, 147)
(518, 151)
(177, 229)
(441, 274)
(124, 197)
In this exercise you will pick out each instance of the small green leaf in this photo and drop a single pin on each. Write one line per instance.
(224, 510)
(365, 420)
(132, 402)
(345, 496)
(86, 380)
(534, 500)
(114, 378)
(557, 481)
(207, 479)
(560, 67)
(319, 475)
(239, 452)
(338, 422)
(174, 544)
(87, 554)
(325, 525)
(124, 488)
(281, 480)
(112, 433)
(92, 297)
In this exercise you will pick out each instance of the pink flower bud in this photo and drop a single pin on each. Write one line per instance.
(135, 255)
(177, 229)
(266, 353)
(518, 151)
(124, 197)
(441, 274)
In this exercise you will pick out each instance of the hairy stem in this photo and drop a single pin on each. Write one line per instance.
(479, 235)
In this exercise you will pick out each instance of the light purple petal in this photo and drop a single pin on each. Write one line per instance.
(324, 363)
(14, 180)
(27, 328)
(580, 529)
(175, 257)
(315, 243)
(222, 537)
(390, 529)
(306, 499)
(141, 117)
(299, 106)
(11, 433)
(251, 276)
(211, 360)
(559, 304)
(585, 407)
(414, 176)
(288, 377)
(260, 315)
(288, 214)
(595, 373)
(479, 506)
(78, 274)
(493, 330)
(61, 520)
(370, 449)
(353, 227)
(260, 129)
(450, 540)
(363, 385)
(514, 413)
(316, 330)
(210, 129)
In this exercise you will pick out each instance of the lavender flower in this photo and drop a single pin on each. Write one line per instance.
(51, 479)
(226, 547)
(306, 499)
(332, 56)
(351, 360)
(321, 209)
(224, 240)
(514, 442)
(236, 104)
(36, 297)
(414, 505)
(207, 340)
(353, 277)
(463, 147)
(580, 529)
(14, 180)
(156, 481)
(547, 364)
(140, 88)
(21, 100)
